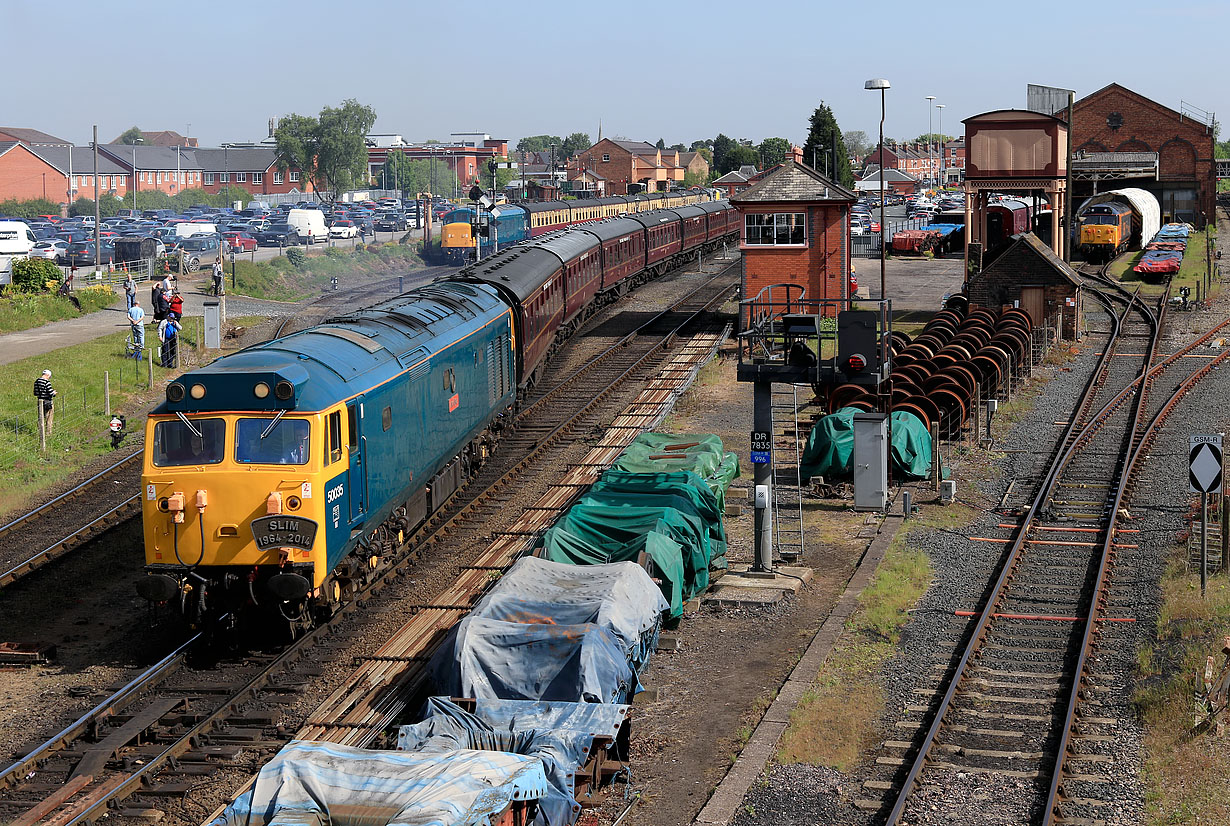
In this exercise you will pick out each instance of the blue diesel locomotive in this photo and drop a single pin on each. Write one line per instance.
(278, 477)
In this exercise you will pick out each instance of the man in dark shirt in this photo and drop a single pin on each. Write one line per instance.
(45, 395)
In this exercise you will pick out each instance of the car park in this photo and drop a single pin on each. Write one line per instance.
(390, 223)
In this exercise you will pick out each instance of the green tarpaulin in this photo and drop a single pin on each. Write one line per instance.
(911, 446)
(701, 453)
(830, 446)
(560, 545)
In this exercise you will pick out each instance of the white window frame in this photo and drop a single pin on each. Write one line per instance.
(779, 226)
(224, 177)
(241, 177)
(258, 177)
(606, 158)
(209, 179)
(277, 177)
(294, 176)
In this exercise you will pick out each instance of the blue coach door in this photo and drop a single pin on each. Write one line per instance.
(358, 471)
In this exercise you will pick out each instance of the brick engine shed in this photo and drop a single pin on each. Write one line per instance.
(1030, 273)
(796, 230)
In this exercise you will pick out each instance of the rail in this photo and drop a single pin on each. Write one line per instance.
(68, 494)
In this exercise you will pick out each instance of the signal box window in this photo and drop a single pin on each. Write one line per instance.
(335, 437)
(779, 229)
(176, 445)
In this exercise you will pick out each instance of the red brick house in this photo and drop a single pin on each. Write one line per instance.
(175, 169)
(467, 160)
(623, 163)
(58, 173)
(1116, 119)
(163, 137)
(917, 160)
(796, 229)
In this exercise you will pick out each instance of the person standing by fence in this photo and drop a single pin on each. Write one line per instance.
(130, 291)
(136, 317)
(218, 279)
(45, 394)
(168, 334)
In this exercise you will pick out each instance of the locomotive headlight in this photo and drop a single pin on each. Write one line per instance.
(175, 392)
(293, 503)
(284, 390)
(261, 390)
(197, 391)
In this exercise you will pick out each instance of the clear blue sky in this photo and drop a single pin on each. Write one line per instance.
(679, 71)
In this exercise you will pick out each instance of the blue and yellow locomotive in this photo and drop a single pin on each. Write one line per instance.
(506, 226)
(274, 476)
(1106, 230)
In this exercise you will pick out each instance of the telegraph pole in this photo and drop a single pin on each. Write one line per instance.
(97, 217)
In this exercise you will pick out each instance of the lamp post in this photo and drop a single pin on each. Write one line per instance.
(883, 86)
(930, 141)
(940, 106)
(134, 175)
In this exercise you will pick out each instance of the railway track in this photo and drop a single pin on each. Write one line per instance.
(178, 723)
(1017, 706)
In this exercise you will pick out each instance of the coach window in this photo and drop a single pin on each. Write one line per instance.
(335, 437)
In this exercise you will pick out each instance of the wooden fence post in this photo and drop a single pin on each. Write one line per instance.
(107, 392)
(42, 429)
(150, 351)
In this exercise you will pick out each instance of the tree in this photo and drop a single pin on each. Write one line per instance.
(539, 143)
(706, 153)
(331, 149)
(433, 175)
(574, 143)
(661, 144)
(857, 144)
(824, 135)
(678, 147)
(928, 137)
(721, 148)
(707, 143)
(773, 151)
(130, 136)
(741, 155)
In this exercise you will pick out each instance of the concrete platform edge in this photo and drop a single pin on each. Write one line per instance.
(729, 794)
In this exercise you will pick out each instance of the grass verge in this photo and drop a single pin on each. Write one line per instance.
(836, 721)
(1185, 778)
(25, 311)
(1191, 271)
(80, 431)
(280, 280)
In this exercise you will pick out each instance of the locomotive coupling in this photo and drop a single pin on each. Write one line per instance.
(175, 506)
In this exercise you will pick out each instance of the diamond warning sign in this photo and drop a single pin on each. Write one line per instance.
(1205, 463)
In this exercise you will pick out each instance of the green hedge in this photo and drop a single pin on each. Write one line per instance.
(35, 275)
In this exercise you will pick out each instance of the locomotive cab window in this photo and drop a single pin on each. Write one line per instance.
(334, 427)
(261, 442)
(175, 444)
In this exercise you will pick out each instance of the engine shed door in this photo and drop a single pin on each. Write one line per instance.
(358, 458)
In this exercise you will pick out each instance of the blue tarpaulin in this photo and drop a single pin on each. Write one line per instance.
(619, 596)
(490, 659)
(559, 734)
(311, 783)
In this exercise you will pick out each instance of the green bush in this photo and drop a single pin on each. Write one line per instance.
(335, 252)
(31, 275)
(296, 257)
(29, 209)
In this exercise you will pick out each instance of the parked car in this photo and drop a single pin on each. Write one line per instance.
(73, 234)
(278, 235)
(343, 228)
(391, 223)
(858, 226)
(239, 241)
(199, 250)
(81, 254)
(54, 249)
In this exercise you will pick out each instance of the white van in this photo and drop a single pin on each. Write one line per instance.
(16, 241)
(309, 224)
(187, 229)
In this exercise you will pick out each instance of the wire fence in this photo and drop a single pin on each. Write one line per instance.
(83, 407)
